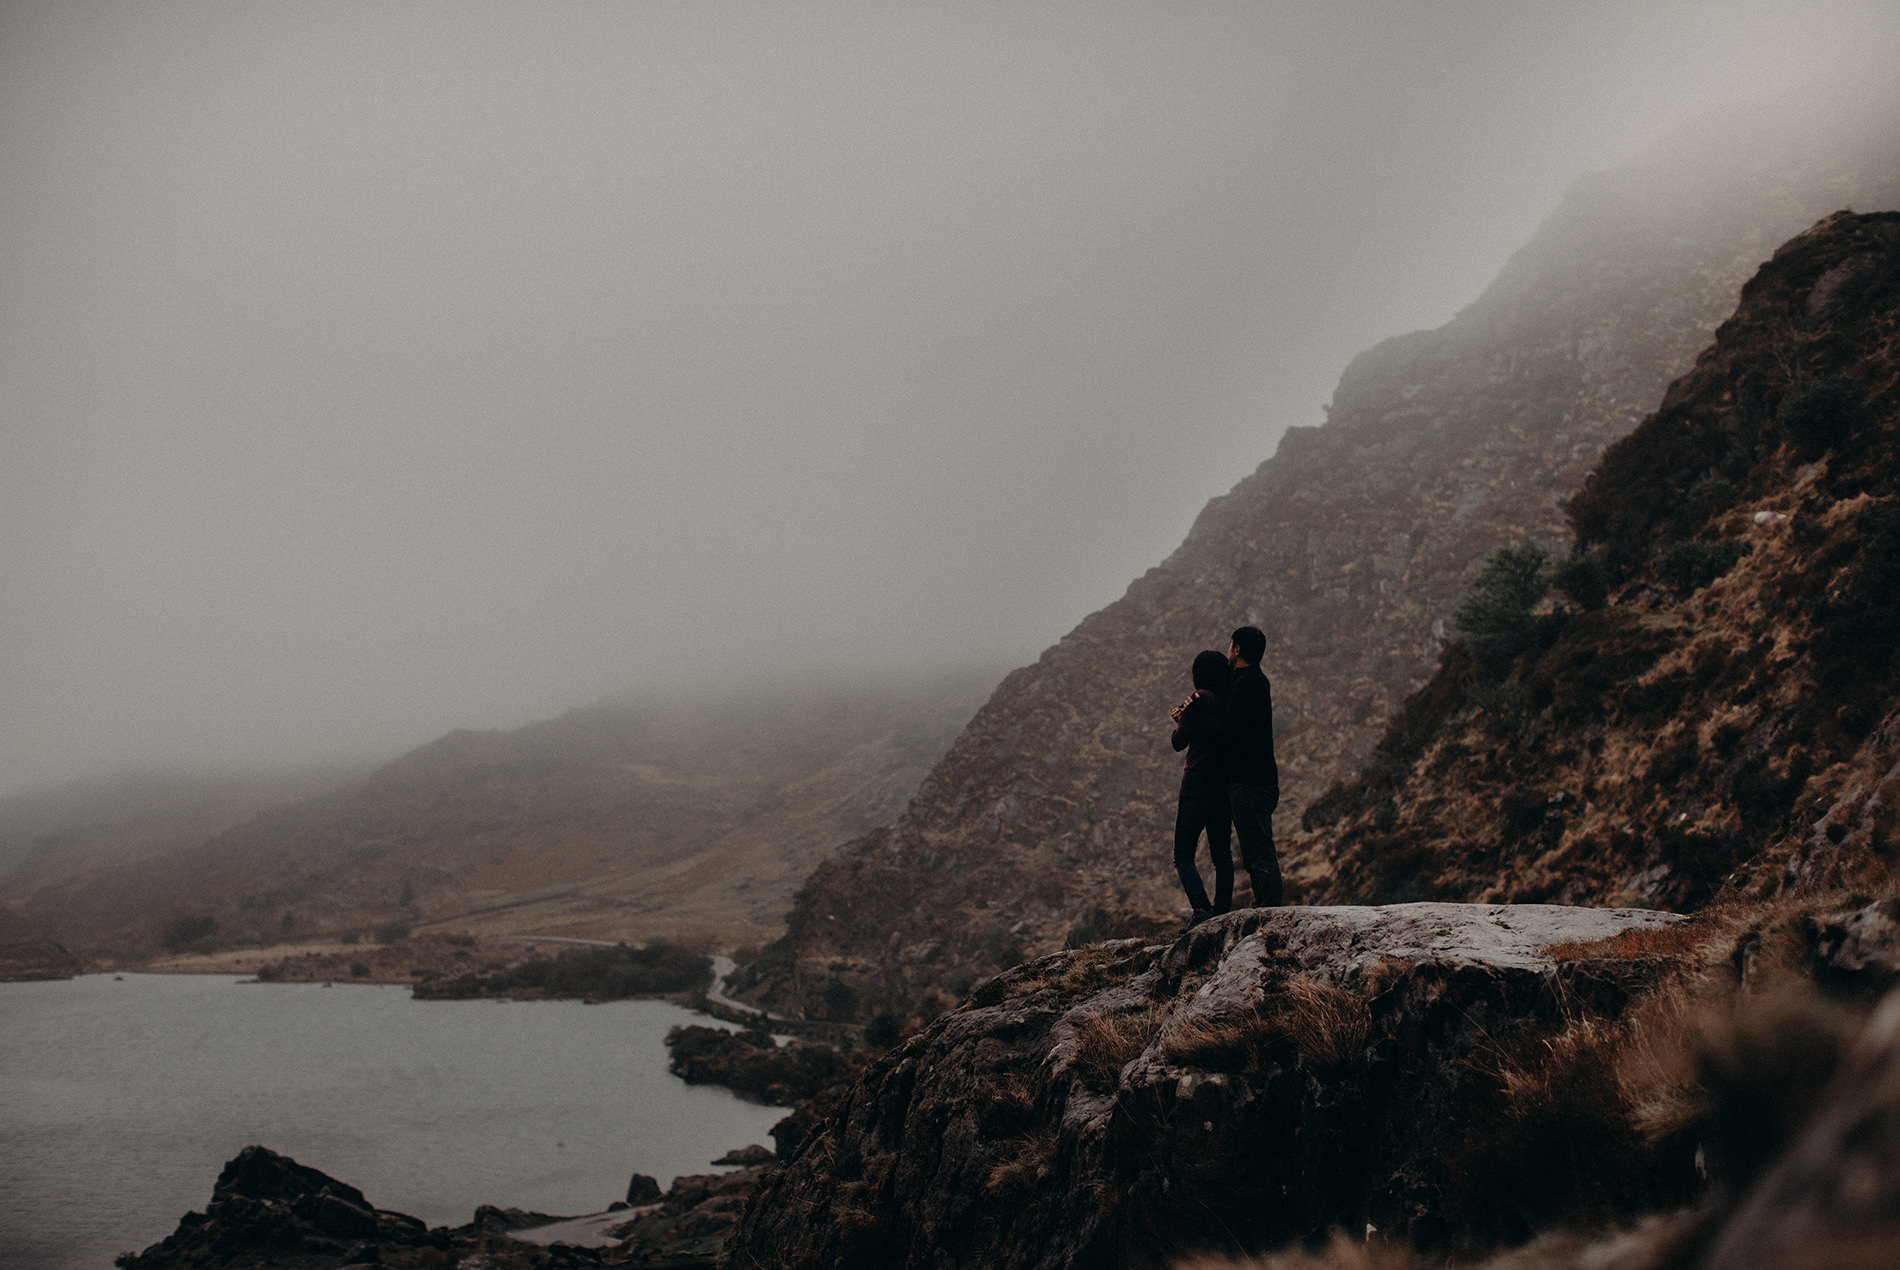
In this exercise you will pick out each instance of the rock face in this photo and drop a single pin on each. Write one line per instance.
(1726, 714)
(1349, 547)
(1270, 1076)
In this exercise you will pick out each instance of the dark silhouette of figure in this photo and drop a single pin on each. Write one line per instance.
(1253, 788)
(1203, 806)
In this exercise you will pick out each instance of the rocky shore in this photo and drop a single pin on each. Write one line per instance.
(268, 1210)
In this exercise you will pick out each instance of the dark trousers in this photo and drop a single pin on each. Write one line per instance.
(1252, 807)
(1206, 812)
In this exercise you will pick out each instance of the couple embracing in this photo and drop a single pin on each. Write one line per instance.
(1230, 777)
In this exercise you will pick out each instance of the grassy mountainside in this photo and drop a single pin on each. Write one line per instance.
(631, 819)
(1714, 701)
(1350, 547)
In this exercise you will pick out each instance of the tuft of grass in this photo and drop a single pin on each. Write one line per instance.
(1220, 1042)
(1021, 1174)
(1328, 1024)
(1107, 1042)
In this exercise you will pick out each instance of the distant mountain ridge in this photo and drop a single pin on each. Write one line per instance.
(690, 815)
(1349, 547)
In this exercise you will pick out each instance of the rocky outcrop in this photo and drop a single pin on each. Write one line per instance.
(265, 1203)
(1270, 1076)
(1725, 713)
(1349, 547)
(268, 1210)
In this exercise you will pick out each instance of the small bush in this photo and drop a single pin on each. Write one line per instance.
(191, 934)
(1687, 567)
(1818, 415)
(1583, 580)
(393, 933)
(1712, 494)
(1496, 614)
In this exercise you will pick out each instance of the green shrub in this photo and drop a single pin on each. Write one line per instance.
(1496, 614)
(1818, 415)
(191, 934)
(1583, 580)
(1689, 566)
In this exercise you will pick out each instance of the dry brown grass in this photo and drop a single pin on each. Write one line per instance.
(1106, 1043)
(1645, 941)
(1025, 1169)
(1328, 1024)
(1223, 1042)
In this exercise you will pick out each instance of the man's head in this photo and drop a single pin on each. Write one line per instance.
(1248, 647)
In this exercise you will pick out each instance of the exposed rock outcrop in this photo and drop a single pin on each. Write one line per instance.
(268, 1210)
(1270, 1076)
(1349, 547)
(268, 1204)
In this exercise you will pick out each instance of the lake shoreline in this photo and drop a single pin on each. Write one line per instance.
(142, 1084)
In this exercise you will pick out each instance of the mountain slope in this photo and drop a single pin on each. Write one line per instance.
(1730, 715)
(1349, 548)
(695, 815)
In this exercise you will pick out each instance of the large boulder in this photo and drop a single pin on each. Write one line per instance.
(1271, 1075)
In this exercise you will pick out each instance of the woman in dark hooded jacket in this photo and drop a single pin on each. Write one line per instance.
(1203, 806)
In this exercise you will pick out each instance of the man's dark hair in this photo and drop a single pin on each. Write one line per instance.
(1252, 643)
(1211, 670)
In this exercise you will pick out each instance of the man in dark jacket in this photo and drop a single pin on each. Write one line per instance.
(1253, 777)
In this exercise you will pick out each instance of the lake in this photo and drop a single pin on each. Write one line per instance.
(120, 1099)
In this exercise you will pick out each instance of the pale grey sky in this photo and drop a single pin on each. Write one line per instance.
(376, 369)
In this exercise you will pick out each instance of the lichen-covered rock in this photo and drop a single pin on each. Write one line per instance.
(1271, 1075)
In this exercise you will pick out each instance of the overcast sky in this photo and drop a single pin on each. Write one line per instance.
(374, 369)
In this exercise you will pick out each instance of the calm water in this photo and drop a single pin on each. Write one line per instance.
(120, 1100)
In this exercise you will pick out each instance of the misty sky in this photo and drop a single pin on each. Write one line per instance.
(374, 369)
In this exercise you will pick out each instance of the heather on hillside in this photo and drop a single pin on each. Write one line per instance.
(1720, 715)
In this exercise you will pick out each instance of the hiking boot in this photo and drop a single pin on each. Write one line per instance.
(1198, 916)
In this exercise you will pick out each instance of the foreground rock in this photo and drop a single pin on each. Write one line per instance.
(1271, 1076)
(268, 1210)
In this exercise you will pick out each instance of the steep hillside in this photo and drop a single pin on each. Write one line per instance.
(1349, 548)
(692, 816)
(1717, 702)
